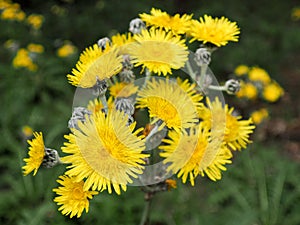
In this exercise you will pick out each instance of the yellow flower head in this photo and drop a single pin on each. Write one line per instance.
(94, 63)
(105, 152)
(195, 154)
(36, 48)
(22, 59)
(272, 92)
(73, 199)
(248, 90)
(27, 131)
(295, 13)
(96, 105)
(259, 115)
(11, 11)
(241, 70)
(35, 21)
(176, 105)
(259, 74)
(158, 19)
(122, 90)
(159, 51)
(122, 41)
(36, 154)
(231, 129)
(66, 50)
(216, 31)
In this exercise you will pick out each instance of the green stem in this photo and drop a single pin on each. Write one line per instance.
(190, 70)
(217, 88)
(147, 77)
(146, 212)
(202, 75)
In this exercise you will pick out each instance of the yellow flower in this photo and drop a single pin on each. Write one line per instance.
(158, 19)
(105, 152)
(259, 115)
(122, 90)
(241, 70)
(171, 184)
(167, 101)
(259, 74)
(296, 13)
(272, 92)
(248, 90)
(27, 131)
(158, 51)
(195, 154)
(36, 48)
(22, 59)
(94, 63)
(122, 41)
(66, 50)
(35, 21)
(36, 154)
(96, 105)
(231, 129)
(73, 198)
(216, 31)
(12, 12)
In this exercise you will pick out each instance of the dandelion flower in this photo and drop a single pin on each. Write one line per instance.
(248, 90)
(95, 64)
(158, 19)
(169, 102)
(259, 74)
(159, 51)
(193, 154)
(122, 90)
(121, 41)
(259, 115)
(36, 154)
(217, 31)
(241, 70)
(73, 199)
(96, 105)
(231, 129)
(272, 92)
(104, 151)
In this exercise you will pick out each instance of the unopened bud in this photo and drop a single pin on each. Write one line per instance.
(78, 115)
(136, 26)
(124, 105)
(202, 56)
(100, 87)
(102, 42)
(232, 86)
(51, 158)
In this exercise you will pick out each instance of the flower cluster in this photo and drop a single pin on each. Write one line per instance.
(13, 12)
(192, 135)
(256, 84)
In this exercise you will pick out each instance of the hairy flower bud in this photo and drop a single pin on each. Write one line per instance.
(136, 25)
(124, 105)
(51, 158)
(202, 56)
(232, 86)
(78, 115)
(100, 87)
(102, 42)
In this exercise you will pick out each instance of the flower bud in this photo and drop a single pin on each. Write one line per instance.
(102, 42)
(51, 158)
(202, 56)
(136, 25)
(232, 86)
(78, 115)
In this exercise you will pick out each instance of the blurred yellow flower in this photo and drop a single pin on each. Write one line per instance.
(37, 48)
(122, 90)
(12, 11)
(272, 92)
(22, 59)
(241, 70)
(217, 31)
(66, 50)
(295, 13)
(72, 199)
(27, 131)
(259, 74)
(190, 155)
(159, 51)
(96, 105)
(158, 19)
(259, 115)
(105, 151)
(35, 21)
(36, 154)
(248, 90)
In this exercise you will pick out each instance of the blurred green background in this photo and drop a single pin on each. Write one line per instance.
(261, 187)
